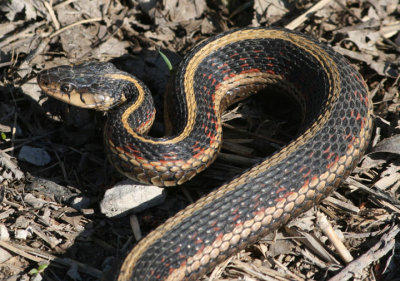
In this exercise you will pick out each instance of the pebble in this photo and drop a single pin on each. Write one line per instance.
(4, 255)
(130, 197)
(80, 202)
(4, 235)
(35, 156)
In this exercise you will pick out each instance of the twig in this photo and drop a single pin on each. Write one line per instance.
(52, 14)
(327, 229)
(74, 24)
(303, 17)
(135, 227)
(385, 244)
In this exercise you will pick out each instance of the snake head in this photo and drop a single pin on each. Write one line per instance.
(88, 85)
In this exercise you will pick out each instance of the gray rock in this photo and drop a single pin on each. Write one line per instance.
(129, 196)
(35, 156)
(4, 255)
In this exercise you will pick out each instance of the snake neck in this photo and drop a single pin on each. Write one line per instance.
(136, 114)
(165, 161)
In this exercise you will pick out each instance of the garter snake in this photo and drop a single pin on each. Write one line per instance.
(225, 68)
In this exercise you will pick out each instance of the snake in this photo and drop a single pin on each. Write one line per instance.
(334, 134)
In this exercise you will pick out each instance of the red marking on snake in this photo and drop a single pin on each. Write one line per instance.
(226, 77)
(287, 194)
(199, 241)
(170, 271)
(330, 155)
(199, 154)
(282, 188)
(366, 101)
(200, 250)
(259, 212)
(306, 182)
(196, 148)
(245, 65)
(238, 224)
(250, 71)
(307, 174)
(330, 165)
(363, 121)
(131, 149)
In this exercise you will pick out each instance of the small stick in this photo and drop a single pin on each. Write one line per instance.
(327, 229)
(303, 17)
(385, 244)
(74, 24)
(52, 14)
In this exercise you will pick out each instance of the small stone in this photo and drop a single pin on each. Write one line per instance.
(4, 235)
(33, 201)
(35, 156)
(22, 234)
(51, 189)
(80, 202)
(129, 196)
(37, 277)
(4, 255)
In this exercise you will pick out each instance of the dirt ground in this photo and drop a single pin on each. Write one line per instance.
(51, 227)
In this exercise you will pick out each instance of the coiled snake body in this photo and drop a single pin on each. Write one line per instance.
(226, 68)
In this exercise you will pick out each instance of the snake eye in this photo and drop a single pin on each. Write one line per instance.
(66, 88)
